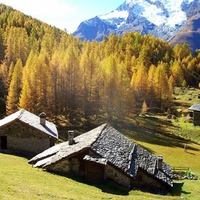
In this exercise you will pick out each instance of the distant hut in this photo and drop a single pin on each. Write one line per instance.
(26, 133)
(196, 113)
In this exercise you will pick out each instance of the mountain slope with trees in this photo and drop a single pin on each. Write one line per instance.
(45, 69)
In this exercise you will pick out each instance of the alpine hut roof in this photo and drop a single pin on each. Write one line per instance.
(195, 107)
(32, 120)
(112, 148)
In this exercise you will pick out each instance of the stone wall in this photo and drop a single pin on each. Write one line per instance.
(144, 180)
(65, 166)
(62, 166)
(117, 176)
(75, 165)
(22, 138)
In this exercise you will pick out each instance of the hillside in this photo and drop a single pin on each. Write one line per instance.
(43, 69)
(152, 131)
(20, 181)
(83, 84)
(190, 34)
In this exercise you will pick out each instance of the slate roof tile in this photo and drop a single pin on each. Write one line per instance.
(114, 147)
(195, 107)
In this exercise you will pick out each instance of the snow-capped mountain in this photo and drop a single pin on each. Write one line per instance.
(161, 18)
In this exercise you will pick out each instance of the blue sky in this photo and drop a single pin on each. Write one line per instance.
(64, 14)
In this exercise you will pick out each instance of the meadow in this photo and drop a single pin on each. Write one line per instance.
(20, 181)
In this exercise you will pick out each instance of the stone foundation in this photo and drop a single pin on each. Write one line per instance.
(117, 176)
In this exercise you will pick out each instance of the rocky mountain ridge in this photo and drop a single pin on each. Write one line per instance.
(164, 19)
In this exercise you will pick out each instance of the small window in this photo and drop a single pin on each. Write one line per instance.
(3, 142)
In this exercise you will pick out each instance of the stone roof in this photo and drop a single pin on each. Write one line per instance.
(195, 107)
(32, 120)
(148, 162)
(64, 150)
(95, 159)
(115, 147)
(110, 147)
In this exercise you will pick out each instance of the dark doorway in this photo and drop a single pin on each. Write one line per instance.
(51, 142)
(3, 140)
(94, 173)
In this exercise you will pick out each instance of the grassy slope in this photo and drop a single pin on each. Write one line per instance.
(20, 181)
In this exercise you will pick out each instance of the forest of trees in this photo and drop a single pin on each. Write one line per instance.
(45, 69)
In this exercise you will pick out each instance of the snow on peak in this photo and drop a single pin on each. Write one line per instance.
(158, 12)
(115, 14)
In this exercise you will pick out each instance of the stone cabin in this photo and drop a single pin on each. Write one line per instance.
(104, 153)
(196, 113)
(25, 133)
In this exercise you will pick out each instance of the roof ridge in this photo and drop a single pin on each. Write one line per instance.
(77, 147)
(104, 127)
(21, 113)
(131, 156)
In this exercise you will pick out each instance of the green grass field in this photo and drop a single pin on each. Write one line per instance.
(20, 181)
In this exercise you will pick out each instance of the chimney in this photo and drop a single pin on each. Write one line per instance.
(71, 137)
(159, 162)
(42, 118)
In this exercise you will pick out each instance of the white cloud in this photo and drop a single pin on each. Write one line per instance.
(55, 12)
